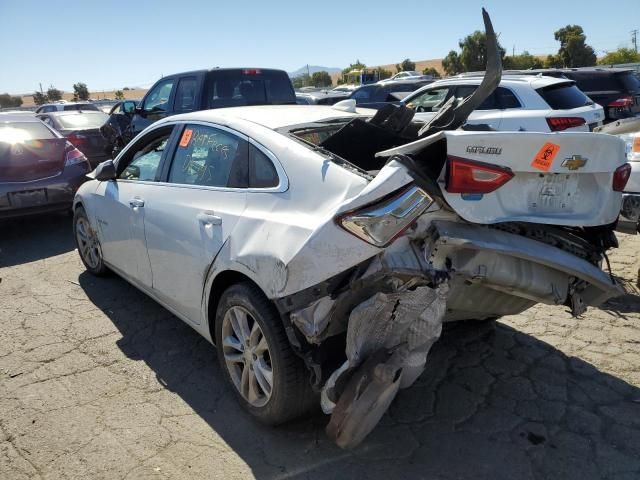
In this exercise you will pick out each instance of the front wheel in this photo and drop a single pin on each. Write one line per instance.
(88, 243)
(269, 380)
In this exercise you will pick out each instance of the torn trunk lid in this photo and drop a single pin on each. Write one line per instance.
(549, 178)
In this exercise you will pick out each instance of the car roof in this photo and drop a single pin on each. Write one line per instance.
(269, 116)
(73, 112)
(536, 81)
(64, 103)
(217, 69)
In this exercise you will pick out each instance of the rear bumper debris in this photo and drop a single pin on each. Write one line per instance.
(510, 264)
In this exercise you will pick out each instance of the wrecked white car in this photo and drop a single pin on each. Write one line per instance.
(321, 249)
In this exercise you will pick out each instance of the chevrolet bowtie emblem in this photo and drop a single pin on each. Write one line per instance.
(574, 162)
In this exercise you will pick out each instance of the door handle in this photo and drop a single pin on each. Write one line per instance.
(136, 202)
(209, 218)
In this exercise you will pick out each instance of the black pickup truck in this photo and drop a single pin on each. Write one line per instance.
(199, 90)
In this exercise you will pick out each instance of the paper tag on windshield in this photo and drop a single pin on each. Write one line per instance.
(544, 158)
(186, 137)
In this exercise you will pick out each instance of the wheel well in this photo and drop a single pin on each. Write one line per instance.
(223, 281)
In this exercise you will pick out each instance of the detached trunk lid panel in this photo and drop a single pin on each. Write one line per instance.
(573, 189)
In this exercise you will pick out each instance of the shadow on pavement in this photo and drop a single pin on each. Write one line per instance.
(494, 403)
(32, 238)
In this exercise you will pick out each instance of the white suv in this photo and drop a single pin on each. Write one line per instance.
(521, 102)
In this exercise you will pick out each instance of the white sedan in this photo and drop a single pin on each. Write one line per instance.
(284, 236)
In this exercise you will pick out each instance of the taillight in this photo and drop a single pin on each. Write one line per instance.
(251, 71)
(620, 177)
(77, 139)
(469, 176)
(622, 102)
(557, 124)
(73, 156)
(382, 222)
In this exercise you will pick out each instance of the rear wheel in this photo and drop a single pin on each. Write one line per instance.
(269, 380)
(88, 243)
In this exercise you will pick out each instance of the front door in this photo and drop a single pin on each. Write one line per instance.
(155, 105)
(121, 213)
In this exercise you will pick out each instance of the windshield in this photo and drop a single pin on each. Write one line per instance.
(83, 120)
(564, 96)
(232, 88)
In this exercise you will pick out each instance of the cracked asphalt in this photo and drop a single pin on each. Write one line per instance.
(99, 381)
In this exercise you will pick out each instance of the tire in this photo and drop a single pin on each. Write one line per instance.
(88, 244)
(243, 306)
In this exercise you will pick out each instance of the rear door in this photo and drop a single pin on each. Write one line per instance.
(189, 216)
(488, 113)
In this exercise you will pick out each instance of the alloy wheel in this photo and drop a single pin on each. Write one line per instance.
(88, 244)
(246, 355)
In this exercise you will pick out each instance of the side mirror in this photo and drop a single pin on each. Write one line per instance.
(105, 171)
(128, 107)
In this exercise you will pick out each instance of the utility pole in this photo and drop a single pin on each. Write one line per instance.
(634, 39)
(513, 51)
(308, 75)
(41, 91)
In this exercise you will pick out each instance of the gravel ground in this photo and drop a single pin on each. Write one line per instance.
(98, 381)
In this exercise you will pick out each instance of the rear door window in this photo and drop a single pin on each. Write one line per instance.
(564, 96)
(81, 106)
(185, 98)
(501, 98)
(209, 156)
(157, 99)
(364, 94)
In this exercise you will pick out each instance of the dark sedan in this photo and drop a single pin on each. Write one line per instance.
(82, 129)
(40, 170)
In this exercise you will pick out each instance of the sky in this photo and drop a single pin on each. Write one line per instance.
(113, 44)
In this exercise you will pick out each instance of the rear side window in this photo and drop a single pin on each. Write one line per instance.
(262, 173)
(186, 94)
(564, 96)
(210, 157)
(596, 82)
(23, 131)
(232, 88)
(363, 94)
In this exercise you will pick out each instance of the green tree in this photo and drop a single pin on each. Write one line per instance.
(451, 63)
(621, 55)
(553, 61)
(406, 66)
(321, 79)
(126, 88)
(525, 61)
(39, 98)
(473, 52)
(354, 66)
(301, 81)
(574, 51)
(431, 71)
(80, 91)
(53, 94)
(7, 101)
(119, 95)
(382, 73)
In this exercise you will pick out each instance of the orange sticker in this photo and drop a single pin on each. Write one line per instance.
(544, 158)
(186, 137)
